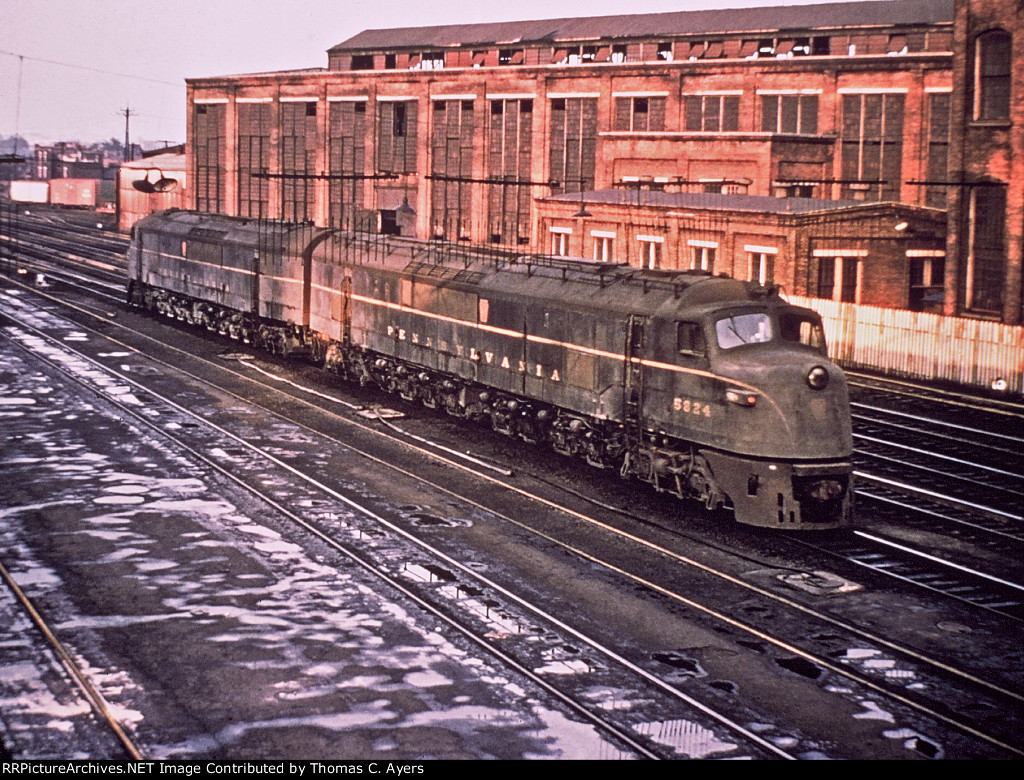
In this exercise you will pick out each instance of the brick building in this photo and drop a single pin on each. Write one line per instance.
(68, 161)
(986, 161)
(491, 133)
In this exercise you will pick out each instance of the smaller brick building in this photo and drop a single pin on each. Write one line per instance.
(881, 254)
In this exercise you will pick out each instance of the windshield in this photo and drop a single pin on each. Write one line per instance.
(743, 329)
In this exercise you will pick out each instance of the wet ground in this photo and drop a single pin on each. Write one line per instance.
(218, 630)
(213, 635)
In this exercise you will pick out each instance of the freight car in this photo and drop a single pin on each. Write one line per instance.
(23, 191)
(705, 387)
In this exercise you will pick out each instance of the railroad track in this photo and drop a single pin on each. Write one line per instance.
(913, 397)
(79, 677)
(819, 661)
(50, 230)
(924, 570)
(481, 611)
(941, 462)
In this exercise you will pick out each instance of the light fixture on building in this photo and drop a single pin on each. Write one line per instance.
(161, 184)
(901, 226)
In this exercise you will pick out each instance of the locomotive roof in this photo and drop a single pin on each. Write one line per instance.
(588, 284)
(199, 226)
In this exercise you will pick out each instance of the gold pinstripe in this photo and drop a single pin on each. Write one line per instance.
(490, 328)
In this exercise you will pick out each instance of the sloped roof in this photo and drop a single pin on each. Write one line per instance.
(677, 23)
(713, 201)
(167, 162)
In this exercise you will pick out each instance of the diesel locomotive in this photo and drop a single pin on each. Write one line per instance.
(704, 386)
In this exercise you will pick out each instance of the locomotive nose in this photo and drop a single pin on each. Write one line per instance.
(795, 406)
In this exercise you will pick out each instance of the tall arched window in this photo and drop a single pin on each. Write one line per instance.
(992, 57)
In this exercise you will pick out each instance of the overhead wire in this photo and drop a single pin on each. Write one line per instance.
(91, 69)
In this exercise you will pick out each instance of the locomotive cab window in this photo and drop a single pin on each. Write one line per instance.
(690, 339)
(738, 329)
(803, 329)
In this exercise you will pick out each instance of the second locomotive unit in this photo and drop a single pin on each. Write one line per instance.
(705, 387)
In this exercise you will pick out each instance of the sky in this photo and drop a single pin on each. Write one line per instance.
(70, 68)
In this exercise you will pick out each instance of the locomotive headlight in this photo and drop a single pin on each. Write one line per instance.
(817, 378)
(740, 397)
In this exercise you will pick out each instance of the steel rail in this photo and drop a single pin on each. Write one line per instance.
(941, 423)
(383, 575)
(95, 698)
(679, 558)
(939, 456)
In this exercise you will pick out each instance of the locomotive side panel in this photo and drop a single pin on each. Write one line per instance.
(545, 352)
(682, 396)
(235, 270)
(610, 344)
(501, 341)
(326, 305)
(370, 316)
(281, 278)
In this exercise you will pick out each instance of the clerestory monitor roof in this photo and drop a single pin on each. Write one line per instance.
(827, 16)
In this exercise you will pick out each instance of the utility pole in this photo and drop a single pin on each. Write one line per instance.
(17, 107)
(128, 157)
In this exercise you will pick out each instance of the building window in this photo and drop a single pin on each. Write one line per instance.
(560, 241)
(511, 56)
(398, 120)
(619, 52)
(253, 159)
(604, 246)
(509, 154)
(651, 251)
(639, 114)
(702, 255)
(927, 279)
(803, 47)
(789, 114)
(897, 44)
(396, 136)
(872, 146)
(430, 60)
(451, 167)
(938, 148)
(573, 143)
(347, 123)
(838, 279)
(760, 264)
(581, 55)
(712, 113)
(986, 261)
(992, 68)
(362, 62)
(298, 160)
(665, 51)
(209, 151)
